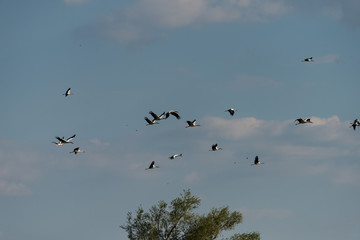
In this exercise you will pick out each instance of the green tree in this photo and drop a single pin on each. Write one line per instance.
(178, 221)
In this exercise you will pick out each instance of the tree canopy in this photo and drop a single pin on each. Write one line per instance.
(177, 221)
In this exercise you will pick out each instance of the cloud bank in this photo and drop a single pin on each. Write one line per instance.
(144, 20)
(148, 19)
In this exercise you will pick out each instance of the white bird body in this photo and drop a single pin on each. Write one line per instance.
(310, 59)
(175, 156)
(231, 111)
(302, 121)
(256, 161)
(215, 147)
(77, 150)
(64, 141)
(59, 143)
(150, 122)
(152, 166)
(192, 124)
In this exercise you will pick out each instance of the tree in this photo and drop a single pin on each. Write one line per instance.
(177, 221)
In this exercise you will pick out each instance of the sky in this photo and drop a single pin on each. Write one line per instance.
(122, 59)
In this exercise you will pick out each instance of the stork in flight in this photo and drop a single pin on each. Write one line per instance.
(355, 124)
(59, 143)
(302, 121)
(256, 161)
(174, 113)
(156, 117)
(310, 59)
(231, 111)
(192, 124)
(77, 150)
(175, 156)
(215, 147)
(64, 141)
(150, 122)
(152, 166)
(67, 93)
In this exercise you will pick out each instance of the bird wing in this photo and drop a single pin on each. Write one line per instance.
(71, 137)
(154, 115)
(152, 164)
(162, 115)
(174, 113)
(148, 120)
(60, 139)
(189, 122)
(256, 161)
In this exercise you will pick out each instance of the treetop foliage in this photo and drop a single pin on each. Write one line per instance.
(178, 221)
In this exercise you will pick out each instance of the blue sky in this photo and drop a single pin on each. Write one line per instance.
(123, 59)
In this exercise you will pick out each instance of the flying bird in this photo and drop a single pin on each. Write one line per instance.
(77, 150)
(150, 122)
(63, 140)
(231, 111)
(59, 143)
(67, 93)
(152, 166)
(175, 156)
(302, 121)
(355, 124)
(156, 117)
(174, 113)
(308, 59)
(256, 161)
(215, 147)
(192, 124)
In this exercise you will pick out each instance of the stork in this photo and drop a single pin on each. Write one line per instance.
(59, 143)
(156, 117)
(64, 141)
(174, 113)
(302, 121)
(231, 111)
(192, 124)
(215, 147)
(152, 166)
(77, 150)
(355, 124)
(310, 59)
(175, 156)
(256, 161)
(67, 93)
(150, 122)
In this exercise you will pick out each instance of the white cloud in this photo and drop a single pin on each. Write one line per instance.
(13, 189)
(147, 19)
(347, 11)
(234, 128)
(306, 150)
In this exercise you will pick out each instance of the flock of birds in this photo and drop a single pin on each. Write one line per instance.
(231, 111)
(190, 124)
(215, 146)
(63, 140)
